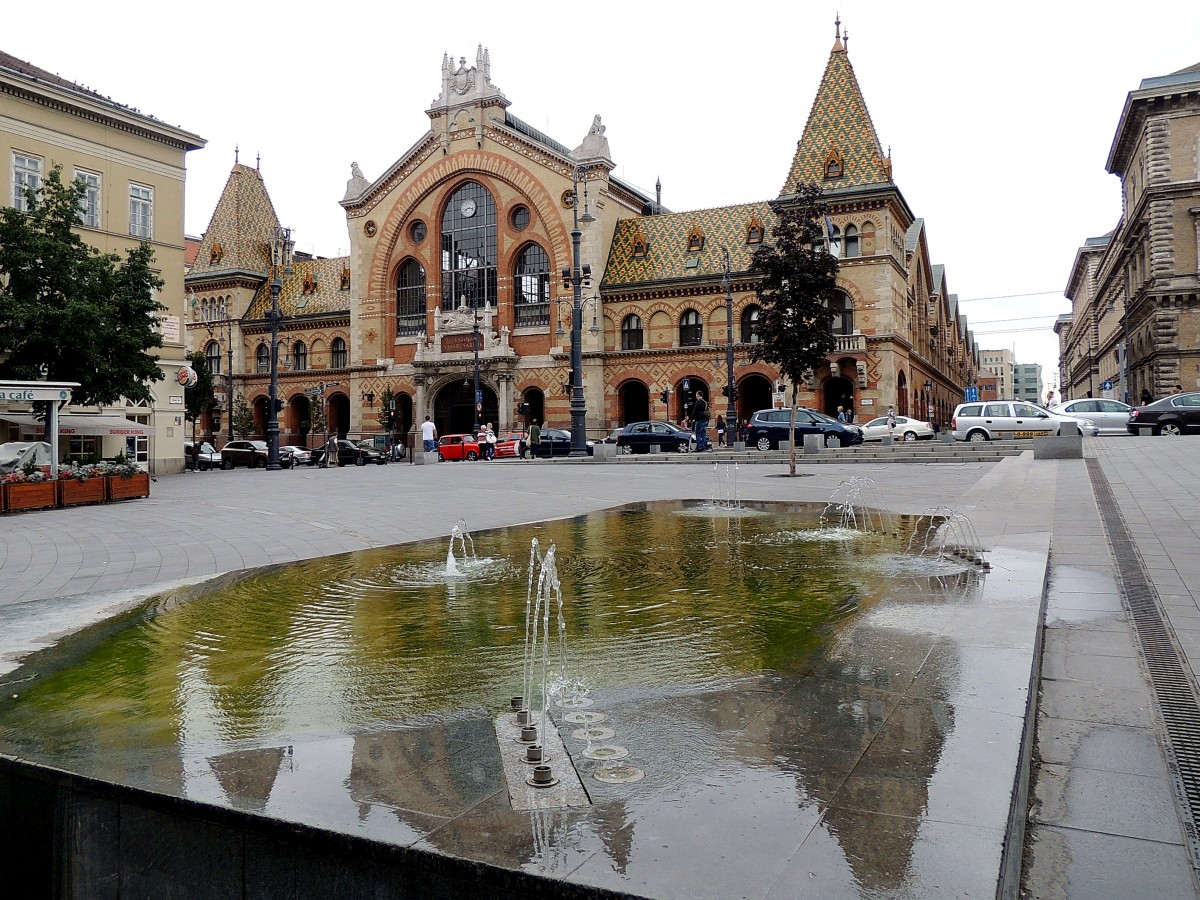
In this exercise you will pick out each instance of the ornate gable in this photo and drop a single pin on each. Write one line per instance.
(238, 238)
(839, 147)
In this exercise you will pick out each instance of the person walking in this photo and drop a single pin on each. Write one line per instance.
(841, 416)
(535, 438)
(720, 431)
(891, 420)
(489, 437)
(331, 452)
(1147, 397)
(428, 436)
(700, 414)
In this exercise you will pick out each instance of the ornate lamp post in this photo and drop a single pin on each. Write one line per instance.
(477, 399)
(730, 389)
(576, 276)
(281, 258)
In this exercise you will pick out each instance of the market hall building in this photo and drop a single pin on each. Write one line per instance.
(471, 228)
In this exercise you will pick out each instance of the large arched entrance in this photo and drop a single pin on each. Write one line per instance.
(839, 391)
(535, 402)
(299, 419)
(754, 392)
(901, 395)
(454, 407)
(686, 389)
(633, 403)
(337, 411)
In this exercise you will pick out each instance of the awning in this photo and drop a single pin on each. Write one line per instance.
(69, 424)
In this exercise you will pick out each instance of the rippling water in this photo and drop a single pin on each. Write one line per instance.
(657, 596)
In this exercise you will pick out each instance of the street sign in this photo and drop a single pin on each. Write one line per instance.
(478, 397)
(971, 394)
(1106, 386)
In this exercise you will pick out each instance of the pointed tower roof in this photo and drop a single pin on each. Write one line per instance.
(839, 148)
(238, 238)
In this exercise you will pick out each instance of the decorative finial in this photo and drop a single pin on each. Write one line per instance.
(837, 34)
(257, 160)
(846, 39)
(235, 154)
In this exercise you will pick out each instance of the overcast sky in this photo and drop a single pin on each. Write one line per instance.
(999, 116)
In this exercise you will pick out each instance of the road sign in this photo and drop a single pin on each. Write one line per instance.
(971, 394)
(478, 397)
(1106, 386)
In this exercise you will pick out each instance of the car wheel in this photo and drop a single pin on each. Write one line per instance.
(977, 437)
(440, 457)
(910, 436)
(627, 449)
(472, 455)
(684, 447)
(1170, 429)
(763, 443)
(360, 460)
(227, 464)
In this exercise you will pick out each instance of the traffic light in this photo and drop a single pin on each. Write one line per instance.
(278, 404)
(725, 391)
(523, 409)
(665, 396)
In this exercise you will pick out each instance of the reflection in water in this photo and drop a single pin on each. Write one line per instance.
(357, 692)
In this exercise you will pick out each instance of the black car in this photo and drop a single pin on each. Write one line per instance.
(252, 454)
(352, 454)
(639, 437)
(554, 442)
(1174, 414)
(770, 426)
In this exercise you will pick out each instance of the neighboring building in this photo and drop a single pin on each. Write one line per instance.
(1138, 287)
(1027, 382)
(1000, 363)
(133, 167)
(989, 388)
(472, 228)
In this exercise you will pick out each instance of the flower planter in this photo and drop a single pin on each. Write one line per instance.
(122, 488)
(72, 491)
(39, 495)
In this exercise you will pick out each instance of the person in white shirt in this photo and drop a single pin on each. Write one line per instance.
(428, 436)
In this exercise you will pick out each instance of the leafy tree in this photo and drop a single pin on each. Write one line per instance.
(386, 414)
(69, 312)
(797, 279)
(243, 417)
(316, 416)
(200, 399)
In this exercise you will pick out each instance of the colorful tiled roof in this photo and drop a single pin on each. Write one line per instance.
(315, 286)
(238, 238)
(839, 121)
(667, 256)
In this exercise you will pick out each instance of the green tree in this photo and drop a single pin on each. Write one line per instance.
(316, 416)
(200, 399)
(386, 414)
(797, 279)
(69, 312)
(243, 417)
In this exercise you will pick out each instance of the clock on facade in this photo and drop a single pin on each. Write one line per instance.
(467, 208)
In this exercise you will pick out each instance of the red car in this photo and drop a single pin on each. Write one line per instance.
(458, 446)
(512, 445)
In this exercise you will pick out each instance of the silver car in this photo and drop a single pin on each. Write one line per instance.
(987, 421)
(1110, 416)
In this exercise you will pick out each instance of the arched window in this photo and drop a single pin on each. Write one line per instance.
(410, 299)
(691, 330)
(843, 314)
(469, 248)
(750, 317)
(212, 353)
(868, 239)
(262, 358)
(850, 242)
(531, 283)
(299, 357)
(631, 333)
(834, 167)
(337, 354)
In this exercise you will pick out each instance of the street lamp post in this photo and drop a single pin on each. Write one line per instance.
(477, 400)
(281, 257)
(578, 274)
(730, 389)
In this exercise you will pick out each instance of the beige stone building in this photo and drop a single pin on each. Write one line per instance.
(471, 228)
(1000, 363)
(133, 168)
(1134, 292)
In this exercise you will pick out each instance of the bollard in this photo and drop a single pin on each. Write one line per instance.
(813, 443)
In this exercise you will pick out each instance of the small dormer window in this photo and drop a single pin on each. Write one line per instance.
(217, 251)
(346, 279)
(640, 245)
(695, 240)
(754, 231)
(834, 167)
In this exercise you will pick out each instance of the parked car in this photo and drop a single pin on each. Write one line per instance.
(1172, 415)
(252, 454)
(1016, 418)
(352, 454)
(201, 455)
(301, 456)
(454, 447)
(512, 445)
(555, 442)
(906, 429)
(770, 426)
(369, 452)
(639, 437)
(1110, 416)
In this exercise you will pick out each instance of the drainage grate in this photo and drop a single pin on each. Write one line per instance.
(1174, 691)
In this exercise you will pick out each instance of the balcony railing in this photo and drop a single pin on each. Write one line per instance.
(849, 343)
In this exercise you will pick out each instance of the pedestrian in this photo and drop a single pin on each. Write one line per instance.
(1147, 397)
(428, 436)
(891, 419)
(700, 414)
(1178, 389)
(489, 437)
(841, 416)
(720, 431)
(535, 438)
(331, 452)
(743, 430)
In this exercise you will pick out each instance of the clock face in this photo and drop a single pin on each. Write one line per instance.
(467, 208)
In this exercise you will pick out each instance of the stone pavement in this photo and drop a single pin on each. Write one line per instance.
(1103, 821)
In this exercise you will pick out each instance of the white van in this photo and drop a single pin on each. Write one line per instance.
(1015, 418)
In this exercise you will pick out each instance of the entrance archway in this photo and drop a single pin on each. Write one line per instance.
(299, 419)
(454, 407)
(338, 414)
(633, 403)
(686, 389)
(754, 393)
(901, 395)
(839, 391)
(536, 401)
